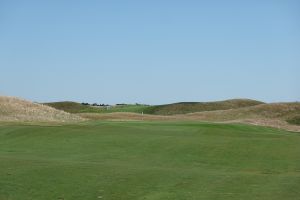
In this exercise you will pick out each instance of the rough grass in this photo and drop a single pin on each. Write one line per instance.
(15, 109)
(133, 161)
(273, 110)
(294, 120)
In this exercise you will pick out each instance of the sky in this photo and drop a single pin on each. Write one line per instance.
(152, 52)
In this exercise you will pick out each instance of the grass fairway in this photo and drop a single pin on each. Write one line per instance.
(148, 160)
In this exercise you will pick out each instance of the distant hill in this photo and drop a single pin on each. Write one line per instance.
(15, 109)
(168, 109)
(191, 107)
(74, 107)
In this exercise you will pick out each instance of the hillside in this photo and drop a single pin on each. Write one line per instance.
(191, 107)
(15, 109)
(71, 107)
(283, 111)
(168, 109)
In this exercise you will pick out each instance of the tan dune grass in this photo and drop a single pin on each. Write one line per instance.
(15, 109)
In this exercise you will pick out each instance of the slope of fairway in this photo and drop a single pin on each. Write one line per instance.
(15, 109)
(190, 107)
(134, 161)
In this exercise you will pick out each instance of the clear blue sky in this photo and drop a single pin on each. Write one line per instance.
(153, 52)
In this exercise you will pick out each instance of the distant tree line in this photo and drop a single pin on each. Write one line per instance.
(94, 104)
(118, 104)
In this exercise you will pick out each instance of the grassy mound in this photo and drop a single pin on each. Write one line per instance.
(190, 107)
(150, 161)
(272, 110)
(71, 107)
(15, 109)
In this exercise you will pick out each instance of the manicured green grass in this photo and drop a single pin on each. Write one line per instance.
(148, 160)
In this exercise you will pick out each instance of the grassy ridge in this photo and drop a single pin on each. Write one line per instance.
(132, 161)
(169, 109)
(190, 107)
